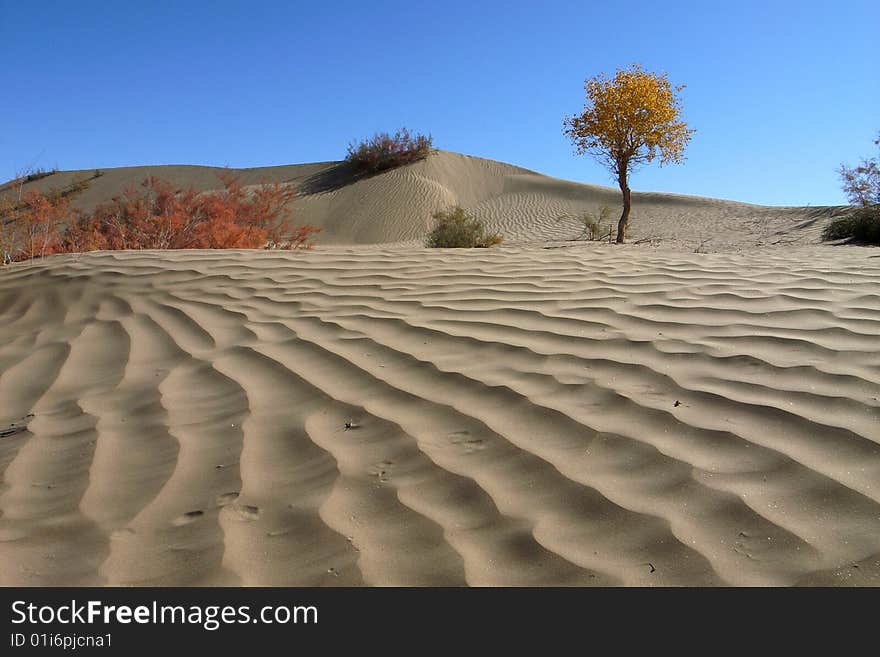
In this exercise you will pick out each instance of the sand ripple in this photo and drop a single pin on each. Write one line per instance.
(574, 416)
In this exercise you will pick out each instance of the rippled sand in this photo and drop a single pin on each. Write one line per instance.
(590, 415)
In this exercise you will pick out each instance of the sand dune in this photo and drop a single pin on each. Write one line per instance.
(589, 415)
(522, 205)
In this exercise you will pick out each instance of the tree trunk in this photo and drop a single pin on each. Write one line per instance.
(627, 204)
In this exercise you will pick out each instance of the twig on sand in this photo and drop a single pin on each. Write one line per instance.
(560, 246)
(699, 249)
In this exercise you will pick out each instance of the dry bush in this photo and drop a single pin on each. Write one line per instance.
(38, 173)
(156, 216)
(861, 225)
(594, 225)
(30, 227)
(861, 184)
(456, 229)
(384, 151)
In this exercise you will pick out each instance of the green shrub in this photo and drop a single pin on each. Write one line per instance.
(862, 183)
(37, 174)
(455, 229)
(385, 151)
(596, 225)
(862, 225)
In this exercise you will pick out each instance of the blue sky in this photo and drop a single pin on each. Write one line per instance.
(780, 93)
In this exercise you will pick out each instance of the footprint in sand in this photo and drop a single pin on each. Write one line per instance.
(381, 470)
(121, 534)
(247, 512)
(466, 441)
(188, 517)
(227, 498)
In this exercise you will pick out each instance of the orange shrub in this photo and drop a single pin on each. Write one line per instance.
(30, 227)
(160, 216)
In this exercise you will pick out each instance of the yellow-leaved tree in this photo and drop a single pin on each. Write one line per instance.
(629, 120)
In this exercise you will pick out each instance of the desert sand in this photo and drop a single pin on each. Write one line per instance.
(548, 412)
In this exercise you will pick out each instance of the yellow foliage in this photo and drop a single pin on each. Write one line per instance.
(631, 118)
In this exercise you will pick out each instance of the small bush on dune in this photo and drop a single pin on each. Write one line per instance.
(37, 174)
(456, 229)
(861, 184)
(862, 225)
(595, 225)
(385, 151)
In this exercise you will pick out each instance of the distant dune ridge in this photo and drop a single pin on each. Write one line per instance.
(522, 205)
(372, 412)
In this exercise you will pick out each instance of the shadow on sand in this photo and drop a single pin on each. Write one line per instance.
(332, 178)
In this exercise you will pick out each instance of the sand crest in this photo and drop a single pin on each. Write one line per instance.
(522, 205)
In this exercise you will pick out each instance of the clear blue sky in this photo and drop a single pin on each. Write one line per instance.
(780, 93)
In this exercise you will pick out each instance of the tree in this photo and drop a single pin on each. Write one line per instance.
(629, 120)
(862, 183)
